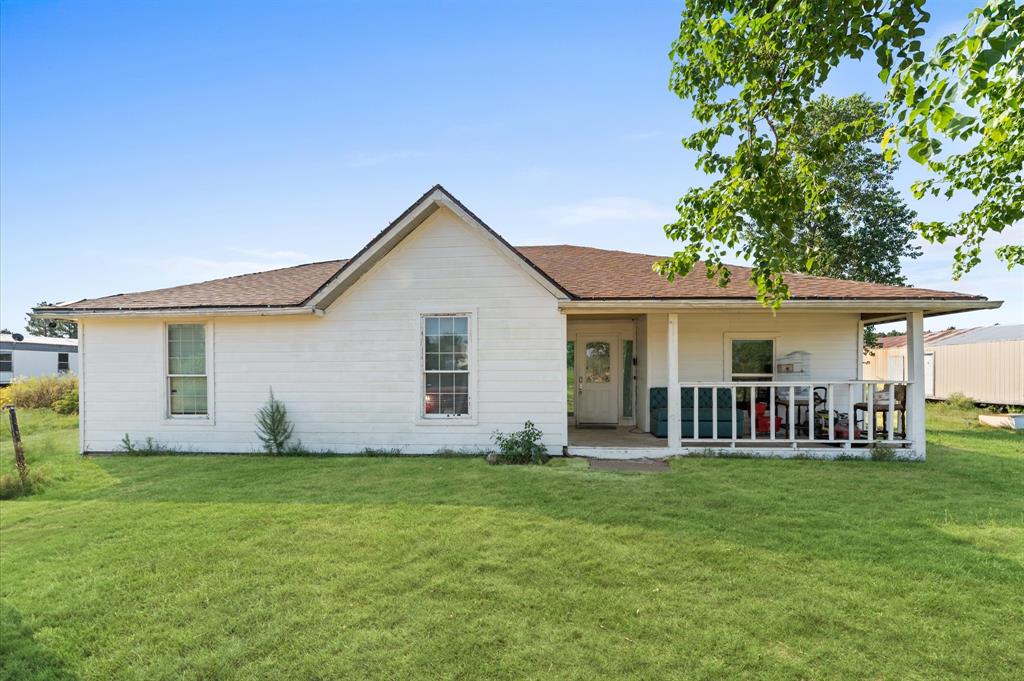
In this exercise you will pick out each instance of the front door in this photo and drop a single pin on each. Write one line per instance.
(598, 375)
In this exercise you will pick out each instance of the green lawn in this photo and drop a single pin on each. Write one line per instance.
(228, 567)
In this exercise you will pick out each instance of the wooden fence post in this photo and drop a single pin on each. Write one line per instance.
(19, 451)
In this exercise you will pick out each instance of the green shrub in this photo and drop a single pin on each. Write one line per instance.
(522, 447)
(881, 453)
(274, 429)
(959, 401)
(380, 451)
(451, 453)
(148, 447)
(68, 402)
(39, 392)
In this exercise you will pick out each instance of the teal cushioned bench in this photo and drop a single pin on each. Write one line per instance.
(659, 413)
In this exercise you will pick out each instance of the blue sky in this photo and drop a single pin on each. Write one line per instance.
(152, 144)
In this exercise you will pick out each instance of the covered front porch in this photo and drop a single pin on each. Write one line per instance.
(651, 383)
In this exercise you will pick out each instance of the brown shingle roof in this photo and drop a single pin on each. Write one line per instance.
(594, 273)
(286, 287)
(584, 272)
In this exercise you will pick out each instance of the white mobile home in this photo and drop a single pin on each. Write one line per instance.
(438, 332)
(26, 356)
(985, 363)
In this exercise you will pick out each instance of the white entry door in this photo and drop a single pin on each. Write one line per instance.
(598, 376)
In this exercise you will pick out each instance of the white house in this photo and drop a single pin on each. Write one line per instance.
(438, 332)
(36, 356)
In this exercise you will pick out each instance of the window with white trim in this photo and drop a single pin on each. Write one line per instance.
(63, 366)
(186, 370)
(7, 361)
(753, 359)
(446, 350)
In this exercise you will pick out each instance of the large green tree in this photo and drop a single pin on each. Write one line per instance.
(750, 68)
(862, 229)
(54, 328)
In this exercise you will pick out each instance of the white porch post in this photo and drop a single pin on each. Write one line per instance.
(860, 351)
(564, 380)
(674, 408)
(915, 374)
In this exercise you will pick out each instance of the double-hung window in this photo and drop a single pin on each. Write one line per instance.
(7, 361)
(63, 366)
(446, 365)
(753, 359)
(186, 370)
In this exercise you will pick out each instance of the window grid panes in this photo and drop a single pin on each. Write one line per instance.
(446, 365)
(6, 361)
(62, 363)
(753, 359)
(186, 369)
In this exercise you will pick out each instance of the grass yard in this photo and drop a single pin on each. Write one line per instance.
(229, 567)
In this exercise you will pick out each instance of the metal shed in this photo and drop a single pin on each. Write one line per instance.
(985, 363)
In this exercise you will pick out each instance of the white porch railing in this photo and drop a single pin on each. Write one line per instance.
(794, 413)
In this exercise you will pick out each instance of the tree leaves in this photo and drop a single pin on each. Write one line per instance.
(751, 68)
(53, 328)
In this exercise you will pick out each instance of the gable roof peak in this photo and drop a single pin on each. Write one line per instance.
(411, 218)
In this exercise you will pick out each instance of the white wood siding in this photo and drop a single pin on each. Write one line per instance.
(830, 337)
(351, 378)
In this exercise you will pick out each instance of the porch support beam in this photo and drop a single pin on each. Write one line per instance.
(915, 375)
(860, 351)
(675, 432)
(564, 379)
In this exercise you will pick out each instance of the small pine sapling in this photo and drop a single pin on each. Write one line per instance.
(273, 427)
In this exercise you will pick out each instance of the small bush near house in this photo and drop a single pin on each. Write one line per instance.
(380, 451)
(451, 453)
(880, 453)
(148, 447)
(39, 392)
(68, 402)
(959, 401)
(274, 428)
(522, 447)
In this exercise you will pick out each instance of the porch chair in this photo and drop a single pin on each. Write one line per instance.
(881, 406)
(801, 406)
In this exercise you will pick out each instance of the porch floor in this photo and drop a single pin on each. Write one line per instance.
(619, 437)
(623, 442)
